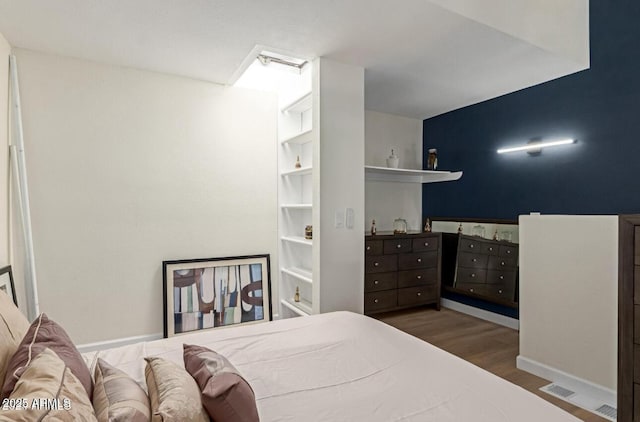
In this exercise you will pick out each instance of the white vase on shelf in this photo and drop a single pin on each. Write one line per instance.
(393, 160)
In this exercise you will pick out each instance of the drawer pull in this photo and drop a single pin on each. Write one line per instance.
(398, 246)
(426, 243)
(419, 259)
(502, 263)
(419, 277)
(474, 260)
(375, 282)
(375, 300)
(471, 245)
(368, 248)
(375, 264)
(508, 252)
(490, 248)
(419, 294)
(471, 290)
(501, 277)
(473, 275)
(500, 291)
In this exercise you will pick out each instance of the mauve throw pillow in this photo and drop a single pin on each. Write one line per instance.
(45, 333)
(226, 395)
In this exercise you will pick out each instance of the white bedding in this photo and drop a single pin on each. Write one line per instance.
(347, 367)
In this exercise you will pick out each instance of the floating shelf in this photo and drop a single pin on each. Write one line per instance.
(297, 239)
(299, 273)
(297, 206)
(302, 308)
(299, 138)
(297, 172)
(299, 104)
(385, 174)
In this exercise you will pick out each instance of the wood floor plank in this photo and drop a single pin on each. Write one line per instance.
(487, 345)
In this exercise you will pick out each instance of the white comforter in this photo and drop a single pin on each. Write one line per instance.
(347, 367)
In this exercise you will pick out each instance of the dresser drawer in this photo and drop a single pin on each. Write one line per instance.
(500, 262)
(500, 292)
(417, 277)
(479, 289)
(509, 251)
(472, 245)
(471, 275)
(472, 260)
(380, 281)
(373, 247)
(380, 300)
(425, 244)
(417, 260)
(417, 295)
(501, 277)
(397, 246)
(380, 263)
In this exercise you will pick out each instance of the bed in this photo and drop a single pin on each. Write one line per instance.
(343, 366)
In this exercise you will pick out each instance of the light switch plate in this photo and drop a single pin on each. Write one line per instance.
(339, 219)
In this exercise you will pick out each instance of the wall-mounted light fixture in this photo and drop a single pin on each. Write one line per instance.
(535, 146)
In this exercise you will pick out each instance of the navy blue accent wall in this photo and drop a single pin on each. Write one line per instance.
(600, 107)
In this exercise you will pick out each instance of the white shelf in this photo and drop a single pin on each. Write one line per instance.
(385, 174)
(297, 206)
(302, 308)
(297, 172)
(299, 273)
(299, 138)
(299, 104)
(297, 239)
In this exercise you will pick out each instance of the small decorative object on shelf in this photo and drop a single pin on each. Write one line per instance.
(460, 228)
(373, 227)
(393, 160)
(432, 159)
(296, 297)
(308, 232)
(427, 226)
(495, 235)
(399, 226)
(298, 165)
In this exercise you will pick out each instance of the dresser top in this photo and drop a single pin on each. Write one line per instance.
(390, 235)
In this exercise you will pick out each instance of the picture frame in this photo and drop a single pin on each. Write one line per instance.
(6, 283)
(207, 293)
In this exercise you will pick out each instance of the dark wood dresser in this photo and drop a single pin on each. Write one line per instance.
(401, 271)
(482, 268)
(629, 319)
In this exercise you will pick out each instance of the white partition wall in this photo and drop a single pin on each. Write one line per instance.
(568, 298)
(5, 50)
(128, 168)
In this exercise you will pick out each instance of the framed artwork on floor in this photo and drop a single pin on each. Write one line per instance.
(206, 293)
(6, 283)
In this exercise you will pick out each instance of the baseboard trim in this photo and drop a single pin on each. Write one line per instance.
(586, 389)
(102, 345)
(481, 313)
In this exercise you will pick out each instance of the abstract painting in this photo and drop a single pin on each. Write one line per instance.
(207, 293)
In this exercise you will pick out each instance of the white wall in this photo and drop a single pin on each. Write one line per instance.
(568, 295)
(386, 201)
(128, 168)
(339, 157)
(5, 50)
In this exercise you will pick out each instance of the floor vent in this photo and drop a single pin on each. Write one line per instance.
(557, 390)
(608, 412)
(582, 400)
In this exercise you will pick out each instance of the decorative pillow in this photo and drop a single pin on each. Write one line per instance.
(48, 391)
(44, 333)
(173, 393)
(117, 397)
(13, 326)
(226, 395)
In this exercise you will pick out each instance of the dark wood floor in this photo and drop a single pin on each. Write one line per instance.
(487, 345)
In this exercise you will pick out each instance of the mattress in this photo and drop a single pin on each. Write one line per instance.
(343, 366)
